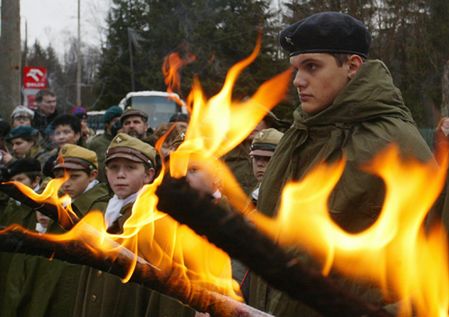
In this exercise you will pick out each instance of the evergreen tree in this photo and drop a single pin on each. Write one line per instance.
(218, 32)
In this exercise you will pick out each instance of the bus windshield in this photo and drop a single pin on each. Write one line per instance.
(158, 108)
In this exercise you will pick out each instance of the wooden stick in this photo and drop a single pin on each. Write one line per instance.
(233, 233)
(172, 283)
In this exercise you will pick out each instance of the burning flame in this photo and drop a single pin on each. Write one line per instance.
(171, 70)
(409, 264)
(155, 237)
(219, 124)
(396, 253)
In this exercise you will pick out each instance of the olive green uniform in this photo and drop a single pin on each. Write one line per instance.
(14, 213)
(39, 287)
(239, 162)
(103, 294)
(365, 117)
(99, 144)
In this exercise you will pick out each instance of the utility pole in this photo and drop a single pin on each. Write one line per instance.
(10, 57)
(78, 53)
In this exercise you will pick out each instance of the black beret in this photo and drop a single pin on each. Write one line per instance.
(326, 32)
(25, 165)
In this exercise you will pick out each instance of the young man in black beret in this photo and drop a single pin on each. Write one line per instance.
(349, 107)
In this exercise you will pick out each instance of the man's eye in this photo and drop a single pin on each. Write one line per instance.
(311, 67)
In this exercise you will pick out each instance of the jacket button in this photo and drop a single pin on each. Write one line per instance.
(93, 298)
(99, 273)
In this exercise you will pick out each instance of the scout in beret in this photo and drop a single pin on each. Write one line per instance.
(129, 166)
(24, 142)
(28, 172)
(349, 108)
(135, 123)
(57, 277)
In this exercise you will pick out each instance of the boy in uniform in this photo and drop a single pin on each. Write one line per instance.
(129, 166)
(48, 288)
(262, 149)
(349, 107)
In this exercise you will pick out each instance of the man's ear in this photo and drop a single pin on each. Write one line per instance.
(354, 63)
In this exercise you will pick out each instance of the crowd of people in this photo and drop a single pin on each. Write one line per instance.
(349, 107)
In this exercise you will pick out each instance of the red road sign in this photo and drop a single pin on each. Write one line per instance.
(34, 77)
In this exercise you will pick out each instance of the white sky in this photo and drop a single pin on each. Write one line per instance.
(55, 21)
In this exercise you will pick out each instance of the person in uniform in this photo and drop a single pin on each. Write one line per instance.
(349, 107)
(100, 142)
(262, 149)
(129, 166)
(135, 123)
(24, 142)
(37, 286)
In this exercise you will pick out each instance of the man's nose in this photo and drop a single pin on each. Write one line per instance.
(299, 80)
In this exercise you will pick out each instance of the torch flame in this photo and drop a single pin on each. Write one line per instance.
(395, 252)
(216, 127)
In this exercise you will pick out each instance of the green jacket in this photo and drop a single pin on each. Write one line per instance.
(99, 144)
(103, 294)
(365, 117)
(14, 213)
(36, 286)
(239, 163)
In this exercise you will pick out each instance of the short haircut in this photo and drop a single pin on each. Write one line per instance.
(341, 58)
(67, 119)
(44, 92)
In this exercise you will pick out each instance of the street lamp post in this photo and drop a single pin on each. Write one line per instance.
(78, 66)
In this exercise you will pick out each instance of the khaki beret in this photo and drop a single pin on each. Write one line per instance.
(133, 112)
(75, 157)
(265, 142)
(131, 148)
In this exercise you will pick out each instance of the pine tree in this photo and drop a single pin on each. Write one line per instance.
(218, 32)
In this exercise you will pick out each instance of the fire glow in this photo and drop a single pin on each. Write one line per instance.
(395, 253)
(155, 237)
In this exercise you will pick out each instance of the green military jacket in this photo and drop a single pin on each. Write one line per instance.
(14, 213)
(36, 286)
(103, 294)
(366, 116)
(99, 144)
(239, 163)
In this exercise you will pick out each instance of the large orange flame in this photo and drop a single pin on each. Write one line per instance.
(216, 127)
(395, 252)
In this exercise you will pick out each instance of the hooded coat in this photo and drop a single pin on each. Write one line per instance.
(367, 115)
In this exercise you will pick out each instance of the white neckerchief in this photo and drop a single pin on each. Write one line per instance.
(217, 194)
(40, 228)
(255, 193)
(91, 185)
(115, 204)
